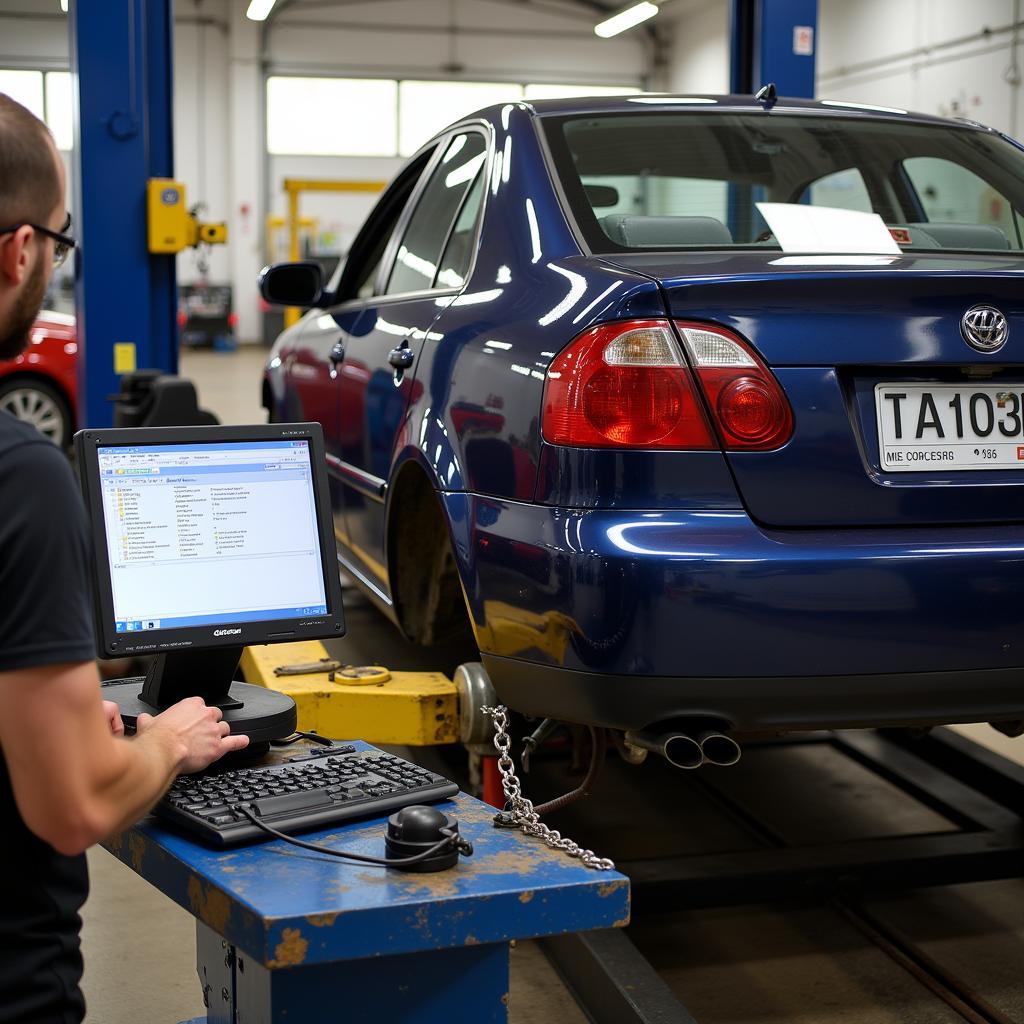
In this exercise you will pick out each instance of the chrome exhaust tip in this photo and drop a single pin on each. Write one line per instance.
(717, 748)
(678, 748)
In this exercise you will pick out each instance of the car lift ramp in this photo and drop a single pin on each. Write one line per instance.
(834, 850)
(402, 708)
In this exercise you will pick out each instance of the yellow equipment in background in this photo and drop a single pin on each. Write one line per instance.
(277, 237)
(294, 187)
(172, 225)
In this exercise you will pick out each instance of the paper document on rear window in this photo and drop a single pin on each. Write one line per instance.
(799, 228)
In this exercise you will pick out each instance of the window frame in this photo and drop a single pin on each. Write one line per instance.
(443, 144)
(438, 145)
(482, 175)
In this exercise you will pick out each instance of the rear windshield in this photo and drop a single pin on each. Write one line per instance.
(694, 181)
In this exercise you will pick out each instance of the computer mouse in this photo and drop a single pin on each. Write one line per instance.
(415, 829)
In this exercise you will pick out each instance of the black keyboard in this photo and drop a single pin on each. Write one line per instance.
(317, 790)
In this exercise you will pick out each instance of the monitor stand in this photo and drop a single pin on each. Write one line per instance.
(254, 711)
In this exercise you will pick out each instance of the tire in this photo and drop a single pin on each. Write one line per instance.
(40, 404)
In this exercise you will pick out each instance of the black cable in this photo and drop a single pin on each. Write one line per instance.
(297, 735)
(362, 858)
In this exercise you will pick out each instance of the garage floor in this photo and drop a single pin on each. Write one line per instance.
(730, 966)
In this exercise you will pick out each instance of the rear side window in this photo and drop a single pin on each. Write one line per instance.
(676, 180)
(951, 194)
(458, 253)
(844, 190)
(416, 263)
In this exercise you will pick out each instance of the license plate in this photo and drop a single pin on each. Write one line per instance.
(936, 428)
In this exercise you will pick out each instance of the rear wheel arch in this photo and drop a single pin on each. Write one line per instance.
(425, 584)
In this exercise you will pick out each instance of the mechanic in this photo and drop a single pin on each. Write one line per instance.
(68, 775)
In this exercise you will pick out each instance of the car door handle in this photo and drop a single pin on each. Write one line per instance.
(337, 353)
(401, 358)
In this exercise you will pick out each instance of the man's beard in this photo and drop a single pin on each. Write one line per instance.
(14, 333)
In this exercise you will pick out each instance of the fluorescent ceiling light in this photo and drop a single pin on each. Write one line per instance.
(259, 9)
(626, 19)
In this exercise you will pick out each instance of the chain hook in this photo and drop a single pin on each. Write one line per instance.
(519, 812)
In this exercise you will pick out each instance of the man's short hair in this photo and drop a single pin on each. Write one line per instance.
(29, 183)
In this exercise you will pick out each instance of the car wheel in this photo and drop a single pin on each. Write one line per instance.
(39, 404)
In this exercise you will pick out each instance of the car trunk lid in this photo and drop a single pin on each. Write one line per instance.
(845, 336)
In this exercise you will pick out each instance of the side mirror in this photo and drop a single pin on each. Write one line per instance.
(292, 284)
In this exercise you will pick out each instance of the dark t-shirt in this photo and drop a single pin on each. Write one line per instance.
(44, 620)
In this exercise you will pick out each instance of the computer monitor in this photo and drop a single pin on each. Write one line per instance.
(208, 540)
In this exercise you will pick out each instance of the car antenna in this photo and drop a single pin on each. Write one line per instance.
(767, 96)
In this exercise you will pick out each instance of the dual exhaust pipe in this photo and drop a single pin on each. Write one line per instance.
(685, 750)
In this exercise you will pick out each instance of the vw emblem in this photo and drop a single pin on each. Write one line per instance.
(984, 328)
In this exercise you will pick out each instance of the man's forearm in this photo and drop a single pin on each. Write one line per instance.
(150, 763)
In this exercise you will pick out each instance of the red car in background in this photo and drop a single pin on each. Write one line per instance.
(39, 386)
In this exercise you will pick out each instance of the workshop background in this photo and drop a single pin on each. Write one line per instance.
(392, 72)
(344, 91)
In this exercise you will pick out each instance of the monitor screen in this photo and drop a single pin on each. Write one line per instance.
(202, 534)
(210, 535)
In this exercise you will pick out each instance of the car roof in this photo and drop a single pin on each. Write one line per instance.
(709, 103)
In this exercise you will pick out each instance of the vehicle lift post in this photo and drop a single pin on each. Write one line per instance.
(126, 299)
(773, 41)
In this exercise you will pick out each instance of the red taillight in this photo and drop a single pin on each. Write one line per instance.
(624, 385)
(746, 401)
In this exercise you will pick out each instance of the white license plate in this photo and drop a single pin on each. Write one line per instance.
(935, 428)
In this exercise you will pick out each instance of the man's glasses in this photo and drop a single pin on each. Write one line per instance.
(63, 243)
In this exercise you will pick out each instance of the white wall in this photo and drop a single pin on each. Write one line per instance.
(492, 42)
(201, 121)
(934, 56)
(699, 50)
(33, 34)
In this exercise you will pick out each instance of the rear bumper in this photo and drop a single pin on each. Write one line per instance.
(622, 617)
(762, 703)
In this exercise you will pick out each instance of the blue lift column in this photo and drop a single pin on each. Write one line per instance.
(126, 298)
(774, 41)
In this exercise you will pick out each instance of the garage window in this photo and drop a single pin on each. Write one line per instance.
(24, 87)
(60, 108)
(551, 91)
(425, 108)
(332, 116)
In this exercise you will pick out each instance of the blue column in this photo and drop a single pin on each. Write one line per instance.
(770, 43)
(121, 63)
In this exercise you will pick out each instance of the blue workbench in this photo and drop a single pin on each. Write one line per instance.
(284, 935)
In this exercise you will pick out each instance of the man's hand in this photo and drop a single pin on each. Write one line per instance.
(113, 716)
(198, 731)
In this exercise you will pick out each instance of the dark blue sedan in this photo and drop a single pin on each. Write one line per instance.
(588, 392)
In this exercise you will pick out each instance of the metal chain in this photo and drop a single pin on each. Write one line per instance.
(519, 810)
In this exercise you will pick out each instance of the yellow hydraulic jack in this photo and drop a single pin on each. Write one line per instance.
(369, 702)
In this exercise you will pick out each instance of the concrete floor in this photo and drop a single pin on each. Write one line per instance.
(140, 948)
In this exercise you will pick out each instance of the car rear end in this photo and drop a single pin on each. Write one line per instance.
(808, 475)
